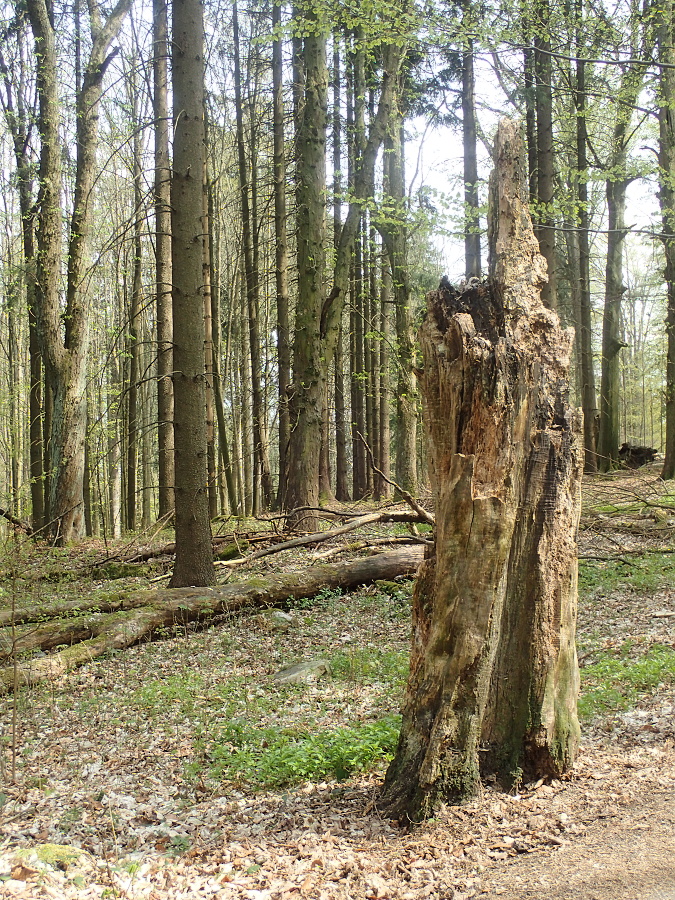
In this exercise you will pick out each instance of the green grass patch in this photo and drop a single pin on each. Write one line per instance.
(640, 574)
(279, 757)
(615, 682)
(370, 664)
(175, 693)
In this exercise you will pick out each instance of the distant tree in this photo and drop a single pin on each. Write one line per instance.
(666, 100)
(162, 127)
(65, 351)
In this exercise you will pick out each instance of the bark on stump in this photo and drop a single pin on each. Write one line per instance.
(494, 677)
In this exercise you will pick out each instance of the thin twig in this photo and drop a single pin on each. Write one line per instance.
(409, 499)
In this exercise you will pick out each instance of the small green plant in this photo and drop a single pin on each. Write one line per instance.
(370, 664)
(178, 844)
(270, 757)
(615, 682)
(641, 574)
(176, 692)
(70, 817)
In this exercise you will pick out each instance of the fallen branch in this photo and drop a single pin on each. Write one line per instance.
(405, 495)
(17, 523)
(317, 537)
(142, 614)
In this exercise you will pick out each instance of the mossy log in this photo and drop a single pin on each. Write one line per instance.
(138, 615)
(494, 677)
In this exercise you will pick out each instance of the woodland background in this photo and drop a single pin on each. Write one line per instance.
(594, 86)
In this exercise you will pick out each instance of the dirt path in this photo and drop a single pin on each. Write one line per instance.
(627, 856)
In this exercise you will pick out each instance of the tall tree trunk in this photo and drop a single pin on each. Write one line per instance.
(207, 267)
(247, 472)
(194, 557)
(309, 376)
(65, 357)
(529, 89)
(114, 442)
(545, 229)
(316, 320)
(493, 675)
(374, 363)
(341, 490)
(666, 37)
(584, 325)
(395, 238)
(612, 342)
(359, 485)
(146, 438)
(261, 475)
(162, 127)
(617, 181)
(471, 201)
(281, 252)
(17, 113)
(133, 346)
(385, 391)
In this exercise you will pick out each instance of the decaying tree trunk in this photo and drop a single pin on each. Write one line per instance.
(494, 678)
(131, 618)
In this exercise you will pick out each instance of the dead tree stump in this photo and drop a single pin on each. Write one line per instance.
(494, 677)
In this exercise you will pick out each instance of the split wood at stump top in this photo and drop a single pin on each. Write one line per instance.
(494, 677)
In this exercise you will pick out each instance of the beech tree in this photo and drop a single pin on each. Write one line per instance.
(65, 353)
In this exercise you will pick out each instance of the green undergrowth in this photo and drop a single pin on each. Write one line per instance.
(640, 574)
(273, 757)
(369, 664)
(616, 680)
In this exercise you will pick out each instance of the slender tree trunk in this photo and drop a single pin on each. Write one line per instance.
(309, 375)
(114, 392)
(133, 348)
(162, 128)
(359, 485)
(406, 392)
(666, 37)
(318, 320)
(529, 90)
(281, 253)
(341, 489)
(17, 119)
(247, 471)
(66, 357)
(471, 200)
(545, 230)
(374, 363)
(493, 675)
(208, 350)
(14, 381)
(584, 324)
(194, 558)
(612, 342)
(146, 438)
(261, 478)
(385, 391)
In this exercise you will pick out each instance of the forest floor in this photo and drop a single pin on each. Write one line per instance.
(180, 768)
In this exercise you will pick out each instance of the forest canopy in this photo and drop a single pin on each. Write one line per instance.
(344, 157)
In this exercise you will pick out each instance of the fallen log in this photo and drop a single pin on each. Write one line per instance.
(142, 613)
